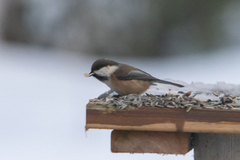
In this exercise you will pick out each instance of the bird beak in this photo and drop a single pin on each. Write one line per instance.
(91, 74)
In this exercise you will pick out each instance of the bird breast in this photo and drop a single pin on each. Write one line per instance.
(124, 87)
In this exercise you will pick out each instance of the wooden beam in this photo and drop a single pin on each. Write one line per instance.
(163, 119)
(210, 146)
(150, 142)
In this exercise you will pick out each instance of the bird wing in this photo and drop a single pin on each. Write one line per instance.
(126, 72)
(130, 73)
(137, 75)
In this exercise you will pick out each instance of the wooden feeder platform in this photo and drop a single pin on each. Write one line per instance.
(214, 134)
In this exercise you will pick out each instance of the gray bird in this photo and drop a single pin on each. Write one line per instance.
(122, 78)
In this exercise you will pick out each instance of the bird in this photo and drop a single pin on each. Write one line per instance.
(122, 78)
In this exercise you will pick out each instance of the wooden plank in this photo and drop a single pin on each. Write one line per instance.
(163, 119)
(150, 142)
(210, 146)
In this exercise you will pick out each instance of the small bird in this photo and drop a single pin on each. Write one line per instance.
(122, 78)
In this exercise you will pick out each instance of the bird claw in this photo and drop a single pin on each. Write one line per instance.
(105, 94)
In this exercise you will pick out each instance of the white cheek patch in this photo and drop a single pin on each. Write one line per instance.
(106, 71)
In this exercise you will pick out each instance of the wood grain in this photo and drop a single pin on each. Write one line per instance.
(163, 119)
(210, 146)
(150, 142)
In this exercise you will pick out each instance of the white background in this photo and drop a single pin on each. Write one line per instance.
(43, 97)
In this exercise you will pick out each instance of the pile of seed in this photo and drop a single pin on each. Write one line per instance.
(180, 100)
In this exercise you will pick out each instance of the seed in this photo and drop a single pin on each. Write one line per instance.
(216, 94)
(232, 99)
(86, 75)
(170, 106)
(169, 100)
(223, 99)
(180, 92)
(188, 94)
(202, 105)
(229, 106)
(194, 95)
(139, 105)
(188, 109)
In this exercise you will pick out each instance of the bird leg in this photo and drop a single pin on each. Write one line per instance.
(105, 94)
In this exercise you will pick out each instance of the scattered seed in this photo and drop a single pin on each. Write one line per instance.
(194, 95)
(188, 109)
(180, 100)
(188, 94)
(216, 94)
(180, 92)
(232, 99)
(229, 106)
(170, 106)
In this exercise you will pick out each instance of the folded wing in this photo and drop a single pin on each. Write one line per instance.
(137, 74)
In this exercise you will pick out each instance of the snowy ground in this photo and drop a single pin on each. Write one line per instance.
(44, 94)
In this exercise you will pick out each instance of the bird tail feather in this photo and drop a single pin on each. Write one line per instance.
(167, 82)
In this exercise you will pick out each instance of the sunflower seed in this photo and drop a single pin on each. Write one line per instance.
(216, 94)
(188, 94)
(229, 106)
(188, 109)
(169, 100)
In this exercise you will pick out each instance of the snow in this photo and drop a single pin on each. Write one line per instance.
(44, 95)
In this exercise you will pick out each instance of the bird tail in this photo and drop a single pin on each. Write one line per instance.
(167, 82)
